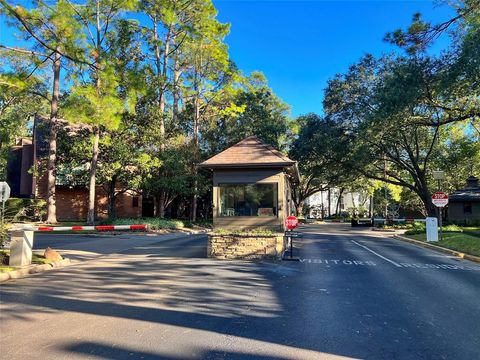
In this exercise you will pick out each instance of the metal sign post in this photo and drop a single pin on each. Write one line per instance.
(4, 196)
(440, 200)
(291, 223)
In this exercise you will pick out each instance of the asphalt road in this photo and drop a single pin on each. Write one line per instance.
(354, 294)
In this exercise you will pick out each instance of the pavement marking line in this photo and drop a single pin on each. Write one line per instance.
(373, 252)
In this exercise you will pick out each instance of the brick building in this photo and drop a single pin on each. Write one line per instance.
(71, 199)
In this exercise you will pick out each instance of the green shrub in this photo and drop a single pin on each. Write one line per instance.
(153, 223)
(3, 237)
(417, 228)
(204, 223)
(452, 228)
(25, 209)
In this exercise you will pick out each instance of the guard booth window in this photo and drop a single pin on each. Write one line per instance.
(249, 200)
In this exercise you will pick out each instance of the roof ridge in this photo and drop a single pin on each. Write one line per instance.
(249, 150)
(269, 147)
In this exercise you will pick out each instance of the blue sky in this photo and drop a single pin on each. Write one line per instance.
(299, 45)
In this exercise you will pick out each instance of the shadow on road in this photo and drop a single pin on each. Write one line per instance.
(347, 311)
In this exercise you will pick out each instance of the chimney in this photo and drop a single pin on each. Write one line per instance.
(472, 182)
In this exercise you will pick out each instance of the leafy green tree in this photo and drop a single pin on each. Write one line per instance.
(252, 109)
(22, 94)
(394, 135)
(450, 84)
(54, 30)
(209, 62)
(318, 147)
(94, 99)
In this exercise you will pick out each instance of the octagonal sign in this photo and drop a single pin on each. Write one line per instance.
(440, 199)
(291, 222)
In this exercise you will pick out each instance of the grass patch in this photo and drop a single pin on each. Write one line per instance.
(459, 241)
(37, 259)
(4, 268)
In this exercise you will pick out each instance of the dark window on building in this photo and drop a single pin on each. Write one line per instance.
(248, 200)
(135, 201)
(467, 208)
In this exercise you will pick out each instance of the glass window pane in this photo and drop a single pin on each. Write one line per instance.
(248, 200)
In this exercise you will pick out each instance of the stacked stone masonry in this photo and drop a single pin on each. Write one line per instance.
(232, 246)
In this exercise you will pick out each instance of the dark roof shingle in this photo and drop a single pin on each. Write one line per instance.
(249, 152)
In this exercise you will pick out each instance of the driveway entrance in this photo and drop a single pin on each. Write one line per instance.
(161, 300)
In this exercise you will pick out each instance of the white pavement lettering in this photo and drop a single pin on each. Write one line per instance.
(440, 266)
(338, 262)
(373, 252)
(329, 262)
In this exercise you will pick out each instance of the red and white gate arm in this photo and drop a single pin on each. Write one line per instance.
(97, 228)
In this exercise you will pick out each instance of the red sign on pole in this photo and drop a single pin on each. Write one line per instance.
(291, 222)
(440, 199)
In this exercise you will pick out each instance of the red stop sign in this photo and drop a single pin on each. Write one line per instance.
(440, 199)
(291, 222)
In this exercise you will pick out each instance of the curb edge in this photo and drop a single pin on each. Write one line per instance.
(21, 273)
(438, 248)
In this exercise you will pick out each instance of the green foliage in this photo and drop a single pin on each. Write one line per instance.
(37, 259)
(318, 148)
(96, 105)
(21, 209)
(17, 103)
(405, 116)
(458, 241)
(18, 209)
(3, 237)
(418, 228)
(159, 224)
(153, 223)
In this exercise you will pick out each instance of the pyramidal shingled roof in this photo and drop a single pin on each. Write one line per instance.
(249, 152)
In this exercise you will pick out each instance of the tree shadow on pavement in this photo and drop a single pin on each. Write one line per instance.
(344, 311)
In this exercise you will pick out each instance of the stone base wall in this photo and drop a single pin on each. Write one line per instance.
(232, 246)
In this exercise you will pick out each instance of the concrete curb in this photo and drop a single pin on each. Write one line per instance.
(438, 248)
(383, 230)
(21, 273)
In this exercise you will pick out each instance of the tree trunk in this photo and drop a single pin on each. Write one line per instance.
(430, 209)
(196, 118)
(337, 207)
(322, 208)
(354, 210)
(370, 207)
(299, 208)
(112, 211)
(93, 174)
(176, 78)
(161, 204)
(96, 128)
(52, 154)
(329, 203)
